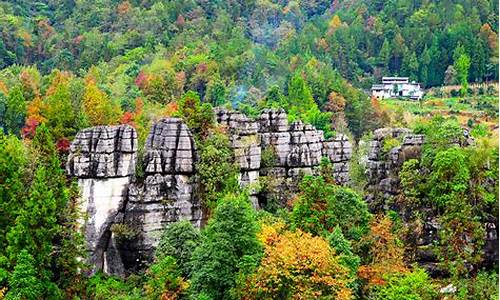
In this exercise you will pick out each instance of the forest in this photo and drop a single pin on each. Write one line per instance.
(430, 231)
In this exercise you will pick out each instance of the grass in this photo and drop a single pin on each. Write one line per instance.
(482, 109)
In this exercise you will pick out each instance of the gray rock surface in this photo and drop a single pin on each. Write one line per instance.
(126, 214)
(103, 159)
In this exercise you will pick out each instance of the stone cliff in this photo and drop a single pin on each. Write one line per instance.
(383, 164)
(126, 212)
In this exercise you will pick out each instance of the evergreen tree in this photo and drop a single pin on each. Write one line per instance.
(229, 245)
(12, 111)
(24, 283)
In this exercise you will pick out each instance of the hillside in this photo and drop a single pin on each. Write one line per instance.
(202, 149)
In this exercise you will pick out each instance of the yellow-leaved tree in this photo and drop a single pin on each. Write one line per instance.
(296, 265)
(97, 106)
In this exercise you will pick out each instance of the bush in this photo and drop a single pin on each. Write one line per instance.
(389, 144)
(415, 285)
(269, 158)
(483, 286)
(164, 281)
(454, 93)
(102, 287)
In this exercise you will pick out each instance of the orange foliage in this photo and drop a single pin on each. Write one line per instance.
(336, 102)
(490, 36)
(46, 29)
(123, 8)
(30, 83)
(380, 113)
(170, 109)
(3, 88)
(26, 37)
(298, 265)
(386, 255)
(60, 77)
(34, 117)
(323, 44)
(132, 118)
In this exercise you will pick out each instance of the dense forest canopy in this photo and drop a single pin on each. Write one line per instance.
(69, 65)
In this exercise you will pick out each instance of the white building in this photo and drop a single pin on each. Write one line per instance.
(397, 87)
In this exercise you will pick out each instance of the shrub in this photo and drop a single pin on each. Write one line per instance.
(415, 285)
(164, 280)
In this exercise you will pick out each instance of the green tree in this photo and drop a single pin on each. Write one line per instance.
(216, 92)
(12, 111)
(217, 172)
(198, 117)
(415, 285)
(59, 113)
(229, 246)
(24, 282)
(300, 98)
(322, 206)
(410, 66)
(462, 64)
(179, 240)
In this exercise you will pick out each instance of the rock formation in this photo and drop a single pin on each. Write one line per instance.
(382, 170)
(103, 159)
(127, 210)
(270, 146)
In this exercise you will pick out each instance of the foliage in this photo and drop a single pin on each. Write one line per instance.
(385, 254)
(179, 240)
(198, 117)
(322, 206)
(215, 168)
(483, 286)
(24, 282)
(97, 106)
(164, 280)
(413, 285)
(229, 246)
(296, 265)
(101, 287)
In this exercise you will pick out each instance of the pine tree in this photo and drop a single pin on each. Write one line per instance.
(24, 283)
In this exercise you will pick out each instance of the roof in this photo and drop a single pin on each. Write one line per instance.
(377, 87)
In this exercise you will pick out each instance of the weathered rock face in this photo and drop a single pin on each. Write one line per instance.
(382, 169)
(103, 158)
(127, 211)
(288, 150)
(167, 193)
(245, 141)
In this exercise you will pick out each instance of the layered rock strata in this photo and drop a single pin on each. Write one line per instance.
(166, 194)
(128, 210)
(382, 170)
(103, 159)
(270, 148)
